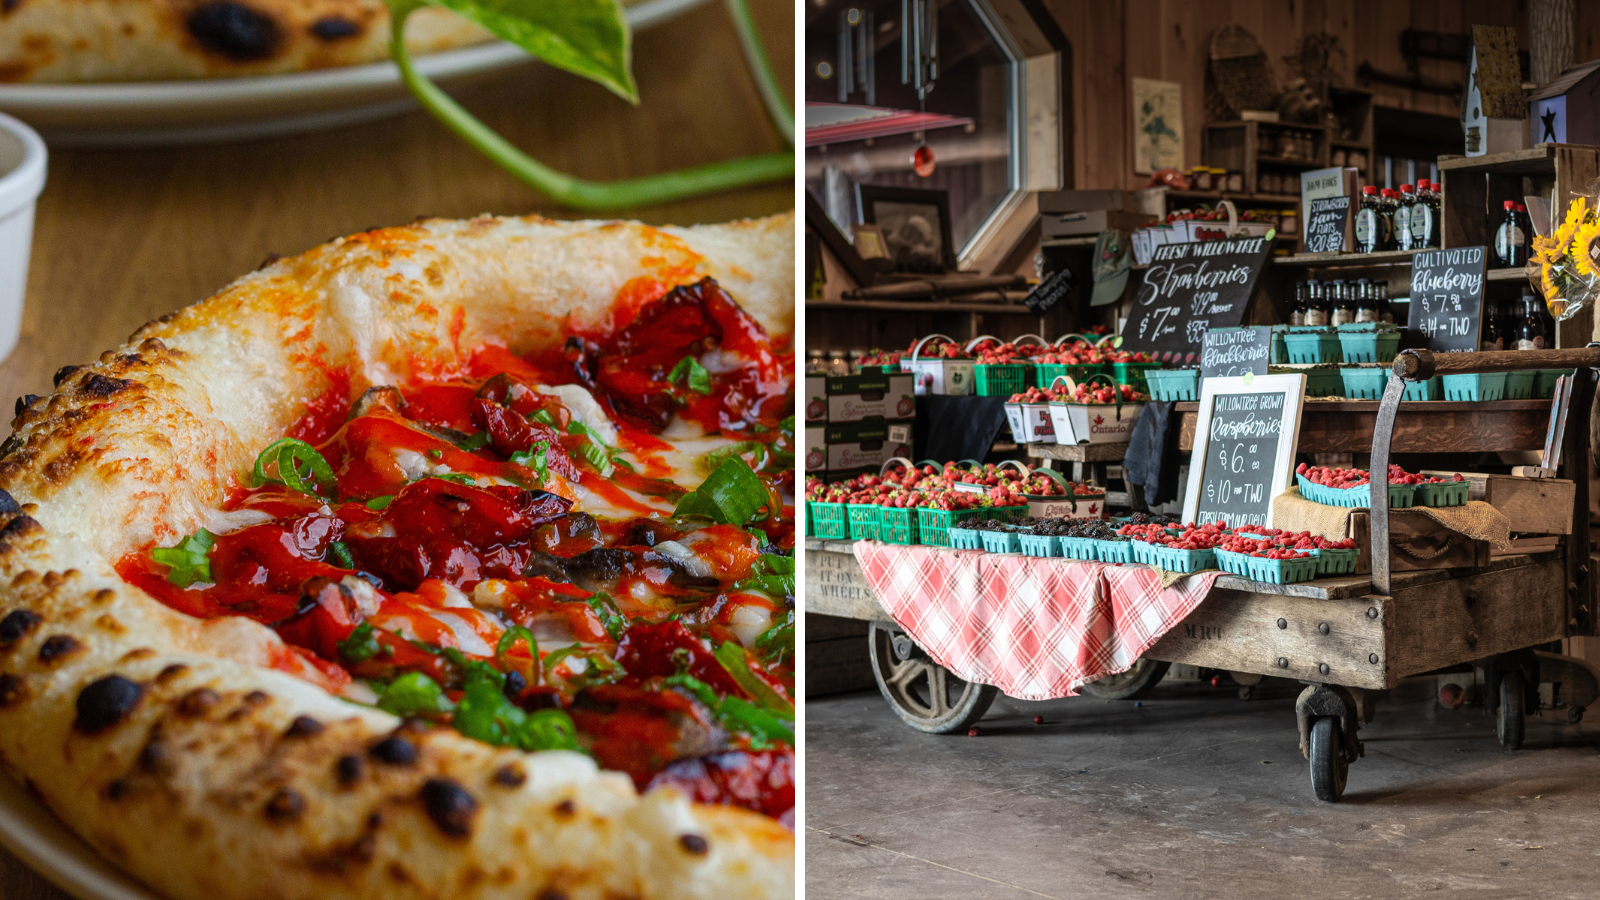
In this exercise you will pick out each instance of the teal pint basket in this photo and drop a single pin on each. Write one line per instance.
(1363, 384)
(1401, 496)
(1519, 385)
(1544, 382)
(1475, 388)
(1305, 348)
(1170, 385)
(1442, 493)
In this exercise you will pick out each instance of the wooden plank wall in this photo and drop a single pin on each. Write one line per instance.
(1114, 41)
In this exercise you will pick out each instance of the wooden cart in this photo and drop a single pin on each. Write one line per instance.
(1340, 636)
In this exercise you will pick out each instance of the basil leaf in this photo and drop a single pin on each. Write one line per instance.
(188, 562)
(341, 554)
(486, 714)
(380, 503)
(596, 455)
(543, 417)
(455, 478)
(762, 453)
(362, 644)
(689, 373)
(737, 663)
(737, 714)
(414, 693)
(776, 644)
(619, 461)
(590, 38)
(731, 495)
(294, 462)
(610, 617)
(473, 442)
(508, 640)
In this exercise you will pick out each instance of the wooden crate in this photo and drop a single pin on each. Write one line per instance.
(1416, 542)
(1534, 505)
(836, 656)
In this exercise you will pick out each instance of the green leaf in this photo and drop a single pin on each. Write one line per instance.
(731, 495)
(590, 38)
(535, 460)
(362, 644)
(610, 616)
(295, 465)
(599, 669)
(737, 663)
(543, 417)
(473, 442)
(596, 455)
(380, 503)
(737, 714)
(455, 477)
(412, 694)
(188, 562)
(776, 644)
(486, 714)
(729, 451)
(341, 555)
(508, 640)
(689, 373)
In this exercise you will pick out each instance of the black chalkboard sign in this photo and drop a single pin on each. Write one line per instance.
(1327, 223)
(1227, 352)
(1188, 289)
(1050, 291)
(1447, 297)
(1244, 448)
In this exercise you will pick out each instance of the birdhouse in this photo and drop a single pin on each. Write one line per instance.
(1567, 110)
(1491, 106)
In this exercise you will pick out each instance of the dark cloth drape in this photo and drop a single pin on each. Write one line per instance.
(1153, 457)
(952, 428)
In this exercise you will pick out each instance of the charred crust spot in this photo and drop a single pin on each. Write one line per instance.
(26, 400)
(105, 703)
(57, 646)
(7, 6)
(271, 258)
(256, 698)
(198, 702)
(153, 345)
(304, 727)
(118, 789)
(172, 673)
(105, 595)
(12, 690)
(363, 849)
(18, 624)
(63, 373)
(510, 775)
(98, 385)
(566, 809)
(694, 844)
(396, 751)
(332, 28)
(551, 894)
(17, 527)
(8, 504)
(154, 758)
(449, 806)
(285, 806)
(349, 769)
(235, 30)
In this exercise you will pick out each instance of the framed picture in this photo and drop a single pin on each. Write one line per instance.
(915, 224)
(869, 241)
(1157, 125)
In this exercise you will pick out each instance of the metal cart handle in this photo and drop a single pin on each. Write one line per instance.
(1420, 365)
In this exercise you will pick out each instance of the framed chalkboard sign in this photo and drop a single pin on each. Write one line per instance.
(1327, 223)
(1244, 448)
(1050, 291)
(1188, 289)
(1231, 352)
(1447, 297)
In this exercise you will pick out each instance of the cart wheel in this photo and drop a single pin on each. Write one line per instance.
(924, 694)
(1575, 715)
(1129, 685)
(1248, 692)
(1512, 711)
(1329, 766)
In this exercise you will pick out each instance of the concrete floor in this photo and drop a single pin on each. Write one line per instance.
(1195, 793)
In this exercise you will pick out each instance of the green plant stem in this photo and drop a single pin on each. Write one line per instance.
(755, 55)
(592, 196)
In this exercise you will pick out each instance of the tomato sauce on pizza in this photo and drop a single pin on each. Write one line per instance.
(588, 548)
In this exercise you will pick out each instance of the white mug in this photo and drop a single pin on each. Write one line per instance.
(22, 165)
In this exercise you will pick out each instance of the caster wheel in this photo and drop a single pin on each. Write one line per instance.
(1575, 715)
(1248, 692)
(1513, 712)
(924, 694)
(1329, 766)
(1129, 685)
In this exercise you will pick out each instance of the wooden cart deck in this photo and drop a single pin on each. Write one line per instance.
(1333, 630)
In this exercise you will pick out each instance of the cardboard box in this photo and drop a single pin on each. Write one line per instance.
(1089, 222)
(1187, 230)
(816, 398)
(948, 377)
(856, 397)
(816, 450)
(1094, 423)
(1082, 201)
(1030, 423)
(1083, 508)
(897, 431)
(867, 455)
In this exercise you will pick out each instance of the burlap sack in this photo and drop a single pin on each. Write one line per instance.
(1477, 520)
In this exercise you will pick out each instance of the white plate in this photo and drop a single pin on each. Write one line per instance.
(35, 836)
(152, 113)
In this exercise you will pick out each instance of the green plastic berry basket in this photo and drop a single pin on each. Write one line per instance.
(1174, 560)
(1168, 385)
(933, 525)
(1305, 348)
(828, 521)
(1475, 388)
(897, 526)
(1519, 384)
(1007, 513)
(1001, 541)
(1368, 346)
(1049, 372)
(1544, 382)
(1323, 382)
(863, 521)
(1043, 545)
(1442, 493)
(965, 539)
(1333, 561)
(1002, 380)
(1113, 551)
(1401, 496)
(1134, 373)
(1079, 548)
(1363, 383)
(1431, 389)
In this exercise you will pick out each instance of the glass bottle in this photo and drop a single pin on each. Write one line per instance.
(1368, 237)
(1367, 307)
(1402, 218)
(1425, 216)
(1297, 313)
(1388, 206)
(1318, 311)
(1510, 241)
(1492, 336)
(1344, 303)
(1385, 307)
(1530, 327)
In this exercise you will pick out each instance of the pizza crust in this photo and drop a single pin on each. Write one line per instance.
(210, 778)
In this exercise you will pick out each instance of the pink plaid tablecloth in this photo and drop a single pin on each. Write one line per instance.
(1035, 628)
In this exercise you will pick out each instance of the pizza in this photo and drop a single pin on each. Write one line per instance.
(445, 560)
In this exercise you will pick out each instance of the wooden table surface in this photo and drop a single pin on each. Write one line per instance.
(123, 236)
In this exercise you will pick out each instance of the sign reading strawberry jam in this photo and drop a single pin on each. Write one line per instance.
(586, 549)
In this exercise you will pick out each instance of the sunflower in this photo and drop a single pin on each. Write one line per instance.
(1548, 287)
(1563, 235)
(1577, 212)
(1547, 250)
(1581, 252)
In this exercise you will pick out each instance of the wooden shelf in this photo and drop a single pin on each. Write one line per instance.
(1540, 160)
(1506, 275)
(1345, 426)
(1347, 260)
(1349, 145)
(1290, 161)
(1004, 309)
(1107, 452)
